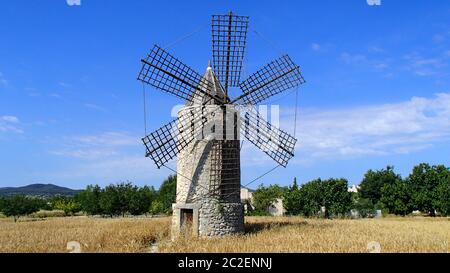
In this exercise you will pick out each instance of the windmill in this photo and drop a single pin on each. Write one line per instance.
(205, 137)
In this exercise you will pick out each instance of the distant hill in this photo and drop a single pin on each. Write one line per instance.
(41, 190)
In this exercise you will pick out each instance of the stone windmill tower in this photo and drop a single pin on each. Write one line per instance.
(205, 137)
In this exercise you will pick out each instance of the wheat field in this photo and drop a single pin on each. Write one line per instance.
(263, 234)
(93, 234)
(267, 234)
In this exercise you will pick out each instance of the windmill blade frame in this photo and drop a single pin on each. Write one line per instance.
(276, 143)
(279, 75)
(168, 141)
(229, 40)
(167, 73)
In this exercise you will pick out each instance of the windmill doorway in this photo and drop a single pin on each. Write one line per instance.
(187, 221)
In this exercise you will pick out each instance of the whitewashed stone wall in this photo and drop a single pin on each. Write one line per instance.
(211, 217)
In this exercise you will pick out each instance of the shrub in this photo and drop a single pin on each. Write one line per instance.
(48, 214)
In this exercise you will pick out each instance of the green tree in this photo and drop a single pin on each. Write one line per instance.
(443, 196)
(396, 198)
(373, 181)
(157, 207)
(45, 204)
(265, 197)
(109, 201)
(19, 205)
(308, 200)
(292, 199)
(141, 200)
(118, 198)
(89, 200)
(294, 185)
(68, 205)
(42, 203)
(167, 193)
(2, 203)
(311, 197)
(424, 183)
(335, 197)
(364, 206)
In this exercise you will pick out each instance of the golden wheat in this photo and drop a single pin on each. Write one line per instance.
(263, 234)
(93, 234)
(270, 234)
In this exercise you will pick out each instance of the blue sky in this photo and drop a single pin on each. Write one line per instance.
(377, 91)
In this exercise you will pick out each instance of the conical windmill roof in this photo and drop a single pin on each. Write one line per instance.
(201, 99)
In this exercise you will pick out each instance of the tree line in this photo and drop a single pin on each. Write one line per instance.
(124, 198)
(113, 200)
(426, 189)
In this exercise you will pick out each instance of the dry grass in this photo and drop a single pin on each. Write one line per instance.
(94, 234)
(267, 234)
(264, 234)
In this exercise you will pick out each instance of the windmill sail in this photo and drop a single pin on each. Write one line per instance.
(276, 77)
(229, 38)
(276, 143)
(166, 143)
(165, 72)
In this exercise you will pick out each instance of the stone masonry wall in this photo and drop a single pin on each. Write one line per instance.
(193, 190)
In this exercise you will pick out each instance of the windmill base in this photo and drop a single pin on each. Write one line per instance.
(207, 219)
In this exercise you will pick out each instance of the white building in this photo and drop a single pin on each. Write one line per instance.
(246, 193)
(277, 208)
(247, 197)
(354, 189)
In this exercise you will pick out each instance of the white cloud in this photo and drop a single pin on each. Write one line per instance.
(381, 66)
(438, 38)
(315, 46)
(416, 62)
(64, 84)
(94, 107)
(441, 38)
(10, 119)
(94, 147)
(252, 156)
(422, 66)
(108, 157)
(375, 49)
(55, 95)
(34, 94)
(10, 124)
(353, 58)
(85, 153)
(337, 134)
(3, 81)
(360, 59)
(135, 168)
(108, 139)
(376, 130)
